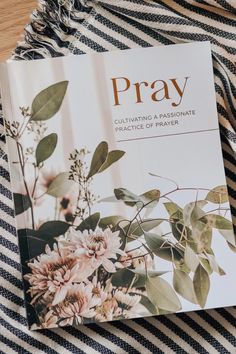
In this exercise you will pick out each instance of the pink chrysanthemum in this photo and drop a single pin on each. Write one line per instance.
(52, 275)
(79, 303)
(93, 248)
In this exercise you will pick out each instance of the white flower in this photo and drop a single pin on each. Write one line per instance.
(127, 299)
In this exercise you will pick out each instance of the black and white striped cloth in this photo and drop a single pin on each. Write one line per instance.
(63, 27)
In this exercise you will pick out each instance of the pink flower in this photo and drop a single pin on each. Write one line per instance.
(93, 248)
(52, 275)
(98, 289)
(79, 303)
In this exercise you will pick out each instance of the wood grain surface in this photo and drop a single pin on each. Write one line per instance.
(14, 15)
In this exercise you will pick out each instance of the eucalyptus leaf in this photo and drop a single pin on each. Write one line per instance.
(21, 202)
(233, 248)
(172, 208)
(161, 248)
(90, 223)
(150, 196)
(179, 230)
(161, 294)
(192, 212)
(229, 236)
(110, 221)
(183, 285)
(205, 264)
(138, 228)
(202, 236)
(141, 276)
(48, 102)
(214, 265)
(98, 159)
(33, 242)
(112, 157)
(45, 148)
(201, 282)
(51, 229)
(217, 222)
(154, 241)
(218, 195)
(111, 199)
(190, 258)
(61, 185)
(149, 305)
(30, 245)
(123, 277)
(126, 196)
(151, 273)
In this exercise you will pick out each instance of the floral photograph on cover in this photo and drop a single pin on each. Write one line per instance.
(80, 265)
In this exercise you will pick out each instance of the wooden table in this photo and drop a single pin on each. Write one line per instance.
(14, 15)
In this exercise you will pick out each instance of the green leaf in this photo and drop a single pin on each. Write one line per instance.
(154, 241)
(183, 285)
(192, 212)
(190, 259)
(90, 223)
(126, 196)
(30, 245)
(150, 196)
(228, 236)
(214, 265)
(45, 148)
(149, 305)
(218, 195)
(201, 282)
(205, 264)
(151, 273)
(141, 276)
(123, 277)
(233, 248)
(52, 229)
(172, 208)
(98, 159)
(202, 234)
(48, 102)
(21, 202)
(111, 199)
(112, 157)
(162, 295)
(61, 185)
(179, 230)
(217, 222)
(146, 225)
(161, 248)
(110, 221)
(33, 242)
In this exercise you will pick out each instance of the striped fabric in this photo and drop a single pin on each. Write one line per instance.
(63, 27)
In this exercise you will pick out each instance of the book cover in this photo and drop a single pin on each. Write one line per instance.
(119, 187)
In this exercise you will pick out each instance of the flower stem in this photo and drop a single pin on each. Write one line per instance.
(22, 166)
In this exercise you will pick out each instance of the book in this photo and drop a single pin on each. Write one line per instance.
(119, 186)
